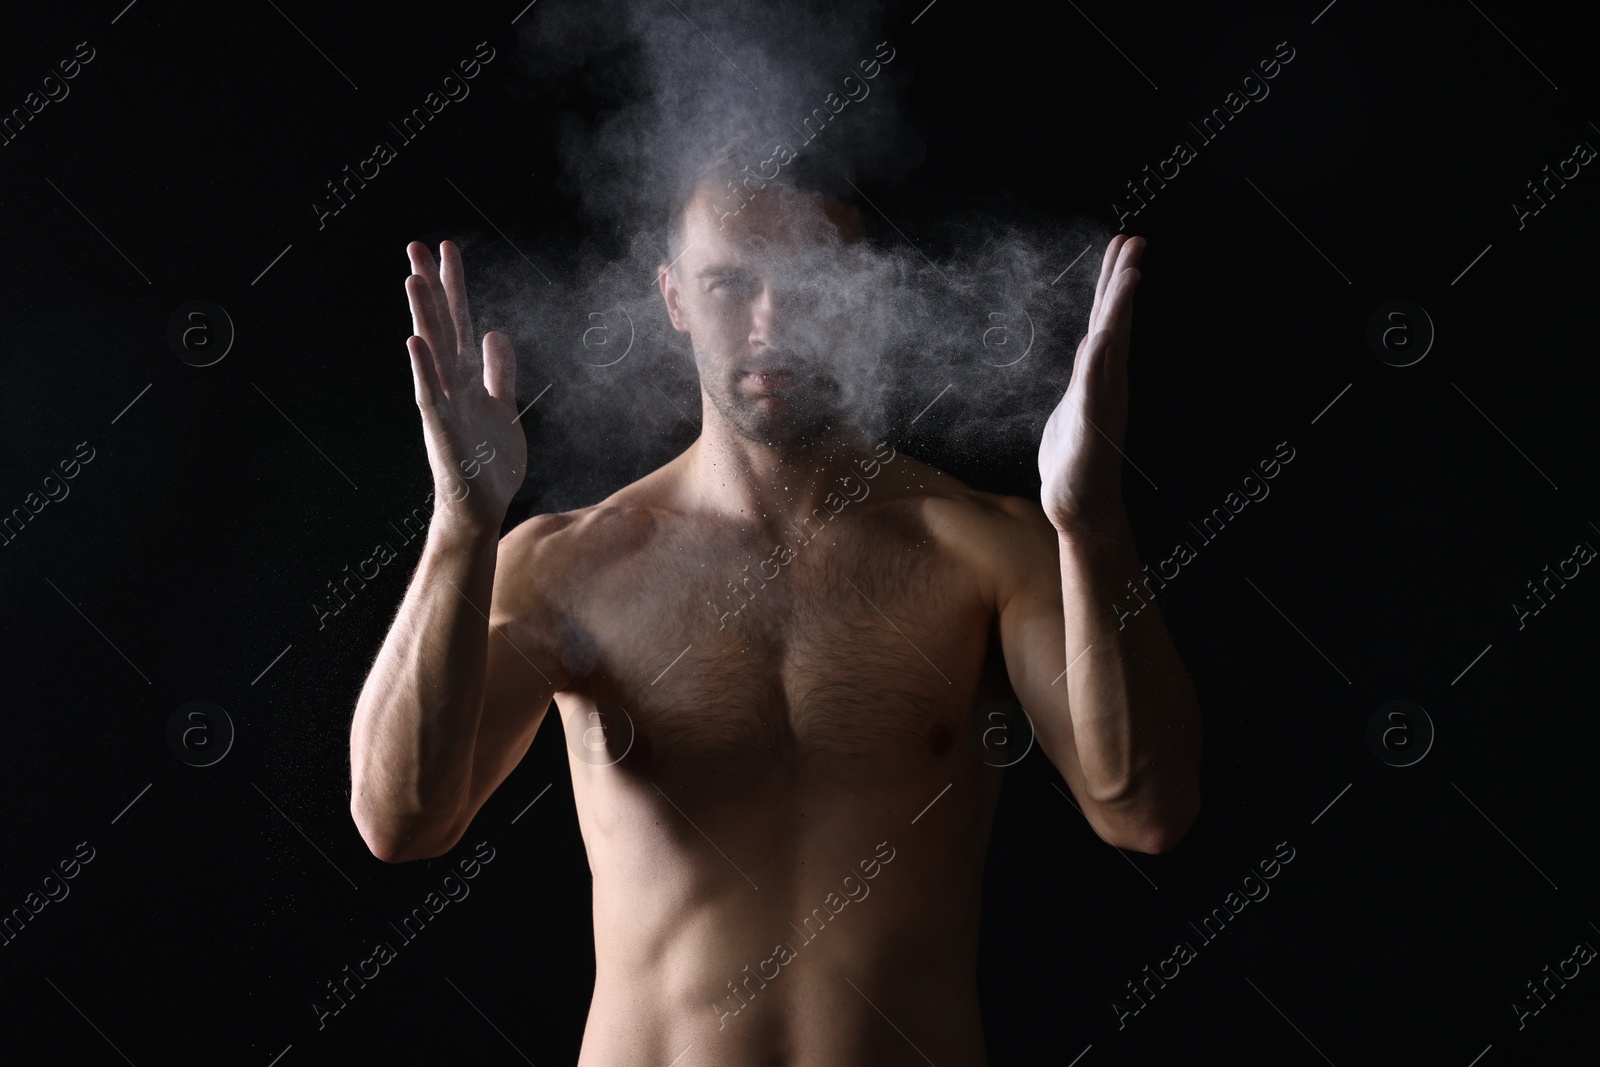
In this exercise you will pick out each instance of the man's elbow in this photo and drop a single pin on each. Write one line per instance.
(1163, 835)
(389, 852)
(395, 844)
(1152, 842)
(1155, 834)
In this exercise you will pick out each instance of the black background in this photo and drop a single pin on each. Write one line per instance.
(182, 563)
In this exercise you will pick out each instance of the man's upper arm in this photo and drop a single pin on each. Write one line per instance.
(522, 668)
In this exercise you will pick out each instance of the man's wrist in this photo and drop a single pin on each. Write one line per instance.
(1099, 555)
(463, 531)
(1102, 533)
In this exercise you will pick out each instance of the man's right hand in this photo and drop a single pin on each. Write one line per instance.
(468, 401)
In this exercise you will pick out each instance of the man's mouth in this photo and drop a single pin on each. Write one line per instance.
(767, 379)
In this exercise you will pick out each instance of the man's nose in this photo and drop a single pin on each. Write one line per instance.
(766, 315)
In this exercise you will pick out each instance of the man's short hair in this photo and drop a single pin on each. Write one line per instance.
(745, 160)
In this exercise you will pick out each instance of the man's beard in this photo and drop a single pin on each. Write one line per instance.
(809, 413)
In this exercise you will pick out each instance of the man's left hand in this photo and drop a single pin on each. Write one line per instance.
(1080, 457)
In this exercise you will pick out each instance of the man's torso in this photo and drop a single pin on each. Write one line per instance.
(784, 814)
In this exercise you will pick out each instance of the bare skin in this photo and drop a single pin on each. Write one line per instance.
(784, 813)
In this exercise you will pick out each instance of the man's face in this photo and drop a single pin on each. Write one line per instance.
(759, 294)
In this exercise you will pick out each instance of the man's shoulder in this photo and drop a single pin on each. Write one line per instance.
(967, 514)
(593, 534)
(1005, 539)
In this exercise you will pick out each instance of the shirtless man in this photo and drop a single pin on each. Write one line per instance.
(785, 822)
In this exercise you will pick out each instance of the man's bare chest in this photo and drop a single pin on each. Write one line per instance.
(860, 646)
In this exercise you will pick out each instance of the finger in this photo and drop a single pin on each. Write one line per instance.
(1132, 251)
(425, 324)
(1108, 264)
(455, 291)
(500, 367)
(1116, 310)
(421, 262)
(1091, 369)
(429, 389)
(1118, 321)
(423, 265)
(422, 313)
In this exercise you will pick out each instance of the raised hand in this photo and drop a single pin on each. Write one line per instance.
(468, 401)
(1080, 458)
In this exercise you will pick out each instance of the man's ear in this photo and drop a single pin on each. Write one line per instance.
(668, 284)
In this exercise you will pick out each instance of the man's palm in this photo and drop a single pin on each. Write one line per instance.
(468, 400)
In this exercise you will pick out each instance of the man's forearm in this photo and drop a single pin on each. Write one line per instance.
(416, 721)
(1135, 718)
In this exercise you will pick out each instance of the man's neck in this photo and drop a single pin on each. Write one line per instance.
(770, 484)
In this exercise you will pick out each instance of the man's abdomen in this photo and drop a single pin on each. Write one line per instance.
(815, 925)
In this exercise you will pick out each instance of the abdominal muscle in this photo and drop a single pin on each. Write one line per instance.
(804, 921)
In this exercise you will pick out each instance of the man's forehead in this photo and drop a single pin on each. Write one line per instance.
(773, 219)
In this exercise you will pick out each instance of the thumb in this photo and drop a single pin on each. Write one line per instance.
(500, 367)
